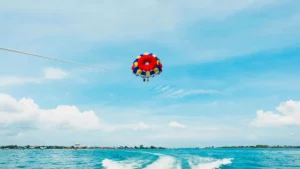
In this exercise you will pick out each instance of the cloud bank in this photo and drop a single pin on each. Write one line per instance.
(27, 113)
(25, 110)
(288, 115)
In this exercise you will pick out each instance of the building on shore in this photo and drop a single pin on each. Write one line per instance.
(77, 145)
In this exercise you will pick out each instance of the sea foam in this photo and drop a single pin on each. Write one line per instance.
(167, 162)
(125, 164)
(164, 162)
(208, 163)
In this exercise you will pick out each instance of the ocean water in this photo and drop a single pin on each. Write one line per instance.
(152, 159)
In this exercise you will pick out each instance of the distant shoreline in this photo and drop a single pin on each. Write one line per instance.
(141, 147)
(258, 146)
(16, 147)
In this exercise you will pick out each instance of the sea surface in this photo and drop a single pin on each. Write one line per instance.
(152, 159)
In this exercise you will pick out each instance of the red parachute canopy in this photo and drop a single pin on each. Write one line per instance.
(147, 65)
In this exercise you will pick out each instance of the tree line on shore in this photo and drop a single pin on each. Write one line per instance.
(75, 147)
(258, 146)
(135, 147)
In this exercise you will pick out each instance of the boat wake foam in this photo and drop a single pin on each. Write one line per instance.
(167, 162)
(164, 162)
(125, 164)
(208, 163)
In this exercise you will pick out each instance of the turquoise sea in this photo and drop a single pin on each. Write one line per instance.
(152, 159)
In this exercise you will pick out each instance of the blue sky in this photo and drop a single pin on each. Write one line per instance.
(223, 62)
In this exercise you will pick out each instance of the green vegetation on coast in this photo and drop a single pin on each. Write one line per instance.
(257, 146)
(15, 147)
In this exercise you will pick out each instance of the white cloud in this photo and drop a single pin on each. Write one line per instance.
(175, 124)
(289, 114)
(25, 110)
(49, 74)
(55, 73)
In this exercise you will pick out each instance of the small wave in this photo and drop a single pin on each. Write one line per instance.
(208, 163)
(126, 164)
(164, 162)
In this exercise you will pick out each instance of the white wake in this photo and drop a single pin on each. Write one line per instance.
(125, 164)
(208, 163)
(164, 162)
(167, 162)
